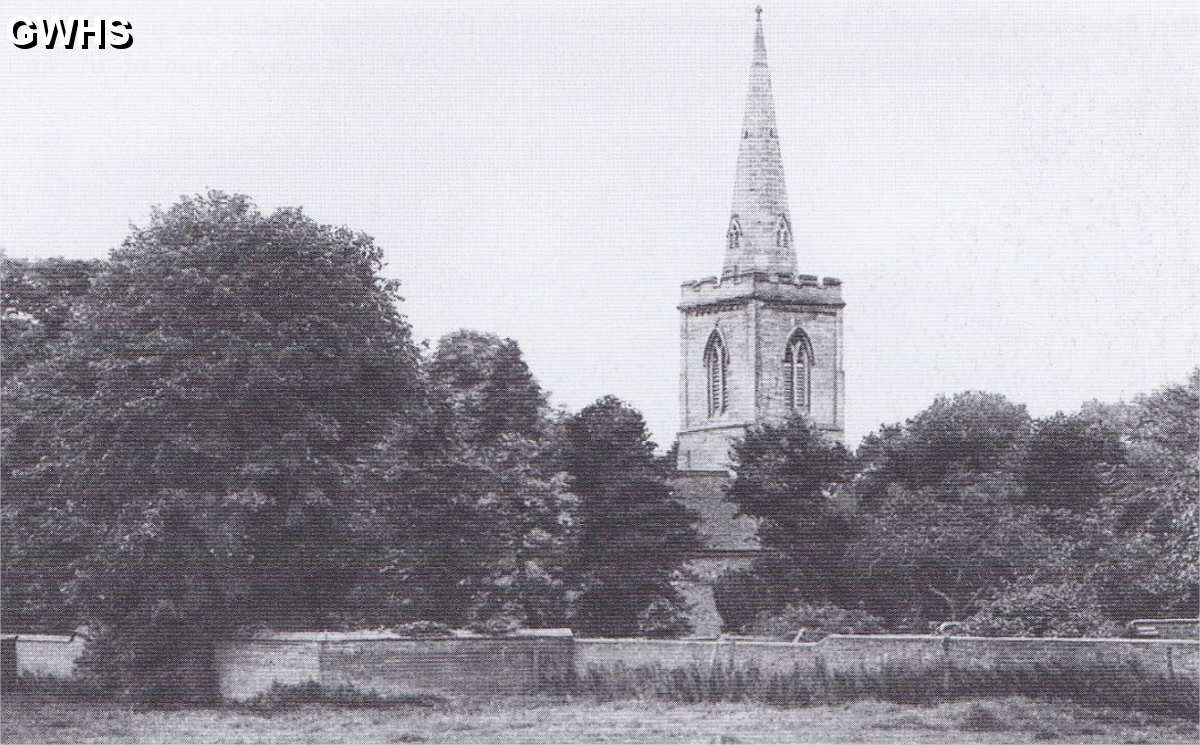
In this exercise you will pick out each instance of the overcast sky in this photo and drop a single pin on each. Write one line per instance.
(1008, 190)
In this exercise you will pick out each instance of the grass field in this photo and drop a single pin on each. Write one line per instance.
(27, 718)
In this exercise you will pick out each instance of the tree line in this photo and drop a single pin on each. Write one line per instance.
(976, 513)
(228, 425)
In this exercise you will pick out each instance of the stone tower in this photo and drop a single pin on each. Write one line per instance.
(761, 341)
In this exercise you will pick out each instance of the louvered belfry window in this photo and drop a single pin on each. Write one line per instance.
(797, 365)
(716, 367)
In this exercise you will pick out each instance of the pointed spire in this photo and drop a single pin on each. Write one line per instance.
(760, 234)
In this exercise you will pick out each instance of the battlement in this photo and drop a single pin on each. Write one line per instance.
(793, 288)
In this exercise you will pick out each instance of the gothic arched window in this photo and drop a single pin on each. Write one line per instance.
(716, 371)
(733, 236)
(783, 233)
(797, 369)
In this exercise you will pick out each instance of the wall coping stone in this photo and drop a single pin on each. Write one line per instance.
(928, 638)
(381, 635)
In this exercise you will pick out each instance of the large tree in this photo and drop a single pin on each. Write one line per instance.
(487, 388)
(467, 502)
(788, 477)
(920, 557)
(1146, 530)
(945, 445)
(940, 523)
(1066, 459)
(633, 538)
(37, 301)
(219, 380)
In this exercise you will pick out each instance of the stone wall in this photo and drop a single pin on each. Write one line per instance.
(550, 660)
(392, 665)
(872, 653)
(47, 655)
(1165, 628)
(247, 667)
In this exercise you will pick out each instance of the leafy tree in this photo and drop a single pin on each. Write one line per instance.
(37, 300)
(632, 537)
(787, 477)
(465, 533)
(217, 383)
(812, 622)
(1146, 531)
(941, 447)
(742, 595)
(921, 557)
(466, 502)
(488, 388)
(1064, 608)
(1066, 459)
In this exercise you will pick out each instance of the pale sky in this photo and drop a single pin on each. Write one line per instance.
(1007, 190)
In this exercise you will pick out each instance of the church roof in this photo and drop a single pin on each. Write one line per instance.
(759, 237)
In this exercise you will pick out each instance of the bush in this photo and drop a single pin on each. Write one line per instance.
(422, 628)
(813, 622)
(663, 619)
(982, 718)
(1060, 609)
(157, 665)
(282, 697)
(1088, 682)
(741, 596)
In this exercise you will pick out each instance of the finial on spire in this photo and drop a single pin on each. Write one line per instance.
(758, 13)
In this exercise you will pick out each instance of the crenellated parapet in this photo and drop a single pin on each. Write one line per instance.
(792, 289)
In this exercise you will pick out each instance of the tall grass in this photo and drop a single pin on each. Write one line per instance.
(1126, 686)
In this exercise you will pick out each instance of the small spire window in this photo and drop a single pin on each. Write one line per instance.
(716, 369)
(733, 236)
(797, 369)
(783, 233)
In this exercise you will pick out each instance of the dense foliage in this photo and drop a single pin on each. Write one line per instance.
(810, 622)
(972, 511)
(633, 538)
(37, 301)
(789, 476)
(227, 424)
(198, 424)
(467, 504)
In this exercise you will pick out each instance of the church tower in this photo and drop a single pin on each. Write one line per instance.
(759, 342)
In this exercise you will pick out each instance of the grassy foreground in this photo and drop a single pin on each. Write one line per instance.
(28, 718)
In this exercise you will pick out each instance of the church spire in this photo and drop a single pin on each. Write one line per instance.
(759, 237)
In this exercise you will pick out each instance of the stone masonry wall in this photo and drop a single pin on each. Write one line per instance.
(48, 655)
(776, 325)
(927, 657)
(391, 665)
(755, 317)
(550, 660)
